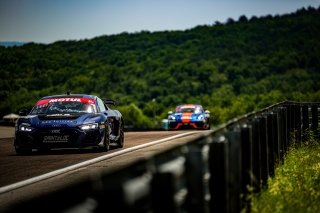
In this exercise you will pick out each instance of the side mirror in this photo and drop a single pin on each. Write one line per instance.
(170, 113)
(207, 112)
(110, 102)
(23, 112)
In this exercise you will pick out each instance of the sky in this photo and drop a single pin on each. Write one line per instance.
(47, 21)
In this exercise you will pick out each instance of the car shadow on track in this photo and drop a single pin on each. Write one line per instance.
(66, 151)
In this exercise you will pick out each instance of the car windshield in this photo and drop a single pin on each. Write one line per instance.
(63, 108)
(192, 110)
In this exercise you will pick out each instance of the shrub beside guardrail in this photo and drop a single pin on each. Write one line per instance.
(211, 173)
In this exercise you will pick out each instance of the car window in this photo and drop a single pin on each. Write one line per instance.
(182, 110)
(198, 111)
(63, 105)
(101, 105)
(63, 108)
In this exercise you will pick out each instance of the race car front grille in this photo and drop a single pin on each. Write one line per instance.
(58, 136)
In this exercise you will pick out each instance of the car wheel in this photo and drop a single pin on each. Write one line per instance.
(207, 126)
(21, 151)
(106, 141)
(120, 141)
(44, 150)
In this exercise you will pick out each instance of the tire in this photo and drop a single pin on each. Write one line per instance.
(44, 150)
(120, 141)
(21, 151)
(106, 140)
(208, 125)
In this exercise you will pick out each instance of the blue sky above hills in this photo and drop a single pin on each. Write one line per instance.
(46, 21)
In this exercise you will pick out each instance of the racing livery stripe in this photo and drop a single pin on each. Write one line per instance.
(83, 100)
(186, 117)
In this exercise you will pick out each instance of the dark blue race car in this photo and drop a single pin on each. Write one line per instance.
(69, 121)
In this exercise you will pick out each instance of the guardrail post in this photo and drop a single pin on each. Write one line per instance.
(315, 118)
(271, 148)
(305, 120)
(285, 128)
(263, 150)
(234, 167)
(246, 155)
(297, 121)
(290, 120)
(218, 164)
(126, 190)
(255, 145)
(275, 135)
(169, 187)
(246, 160)
(78, 195)
(281, 133)
(197, 169)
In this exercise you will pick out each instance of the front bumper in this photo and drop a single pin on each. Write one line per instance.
(58, 138)
(187, 125)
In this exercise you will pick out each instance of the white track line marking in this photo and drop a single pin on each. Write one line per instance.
(85, 163)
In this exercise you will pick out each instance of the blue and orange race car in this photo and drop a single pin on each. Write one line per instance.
(189, 116)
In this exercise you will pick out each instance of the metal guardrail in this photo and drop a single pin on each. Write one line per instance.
(209, 174)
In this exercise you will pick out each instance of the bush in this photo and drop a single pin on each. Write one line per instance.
(296, 185)
(134, 117)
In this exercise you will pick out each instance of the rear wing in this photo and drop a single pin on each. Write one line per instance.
(110, 102)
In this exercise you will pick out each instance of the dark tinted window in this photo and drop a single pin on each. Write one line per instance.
(63, 108)
(101, 105)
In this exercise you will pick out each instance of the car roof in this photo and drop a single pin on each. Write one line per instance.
(70, 96)
(189, 105)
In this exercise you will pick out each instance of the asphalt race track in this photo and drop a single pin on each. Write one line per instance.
(25, 176)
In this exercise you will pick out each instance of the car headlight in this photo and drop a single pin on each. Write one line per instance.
(89, 126)
(172, 117)
(25, 127)
(200, 117)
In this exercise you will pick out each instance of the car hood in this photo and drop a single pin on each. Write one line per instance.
(60, 120)
(183, 114)
(187, 116)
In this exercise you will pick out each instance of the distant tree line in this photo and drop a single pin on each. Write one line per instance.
(230, 68)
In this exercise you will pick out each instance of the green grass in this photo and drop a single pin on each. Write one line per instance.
(296, 184)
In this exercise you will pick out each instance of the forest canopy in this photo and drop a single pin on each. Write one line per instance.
(230, 68)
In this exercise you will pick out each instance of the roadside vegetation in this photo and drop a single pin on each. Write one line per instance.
(296, 184)
(230, 68)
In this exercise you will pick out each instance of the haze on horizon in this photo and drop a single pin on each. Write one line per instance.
(46, 21)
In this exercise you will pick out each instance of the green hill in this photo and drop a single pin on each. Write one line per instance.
(230, 68)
